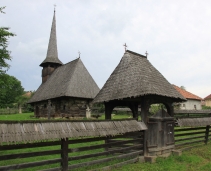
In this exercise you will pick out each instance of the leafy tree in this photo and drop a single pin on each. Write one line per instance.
(10, 89)
(21, 101)
(4, 53)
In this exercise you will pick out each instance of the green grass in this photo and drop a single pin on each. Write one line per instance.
(26, 116)
(17, 117)
(196, 159)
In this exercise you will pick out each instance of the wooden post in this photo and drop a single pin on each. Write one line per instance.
(108, 111)
(144, 118)
(207, 134)
(64, 154)
(49, 109)
(134, 109)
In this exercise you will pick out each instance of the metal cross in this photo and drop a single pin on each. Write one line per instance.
(79, 53)
(146, 53)
(54, 7)
(125, 47)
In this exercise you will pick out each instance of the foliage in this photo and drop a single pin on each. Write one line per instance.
(206, 107)
(10, 89)
(183, 87)
(154, 108)
(99, 107)
(4, 53)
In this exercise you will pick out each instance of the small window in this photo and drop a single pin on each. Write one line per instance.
(194, 106)
(183, 105)
(45, 106)
(64, 107)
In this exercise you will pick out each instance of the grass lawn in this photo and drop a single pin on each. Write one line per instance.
(26, 116)
(196, 159)
(17, 117)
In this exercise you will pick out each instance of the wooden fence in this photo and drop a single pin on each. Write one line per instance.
(187, 137)
(73, 154)
(191, 113)
(11, 111)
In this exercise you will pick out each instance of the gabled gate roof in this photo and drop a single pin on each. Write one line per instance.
(135, 76)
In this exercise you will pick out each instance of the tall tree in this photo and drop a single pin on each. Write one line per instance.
(183, 87)
(10, 89)
(4, 53)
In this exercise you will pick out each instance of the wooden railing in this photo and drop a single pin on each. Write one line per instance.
(186, 138)
(68, 154)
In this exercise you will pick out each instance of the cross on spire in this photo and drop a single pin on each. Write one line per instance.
(79, 53)
(146, 54)
(125, 47)
(54, 7)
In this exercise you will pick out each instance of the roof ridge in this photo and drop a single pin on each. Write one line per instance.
(134, 53)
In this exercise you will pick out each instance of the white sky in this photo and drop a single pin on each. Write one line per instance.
(176, 34)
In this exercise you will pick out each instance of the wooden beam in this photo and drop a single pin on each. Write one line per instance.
(64, 154)
(27, 165)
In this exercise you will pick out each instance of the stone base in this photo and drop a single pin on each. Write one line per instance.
(176, 152)
(162, 151)
(141, 159)
(150, 159)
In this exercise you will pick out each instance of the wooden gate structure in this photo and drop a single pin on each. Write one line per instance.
(136, 83)
(62, 145)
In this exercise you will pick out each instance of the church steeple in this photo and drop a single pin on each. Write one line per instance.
(52, 53)
(51, 61)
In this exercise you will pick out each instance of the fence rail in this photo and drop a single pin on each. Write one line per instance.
(71, 154)
(186, 138)
(12, 111)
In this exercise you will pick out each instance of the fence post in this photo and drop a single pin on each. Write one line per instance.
(64, 154)
(207, 133)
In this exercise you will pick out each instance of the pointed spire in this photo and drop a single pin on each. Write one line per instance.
(52, 53)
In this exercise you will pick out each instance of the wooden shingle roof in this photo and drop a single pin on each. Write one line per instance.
(187, 94)
(133, 77)
(194, 122)
(39, 131)
(71, 80)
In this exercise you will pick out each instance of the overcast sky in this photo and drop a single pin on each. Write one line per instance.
(176, 34)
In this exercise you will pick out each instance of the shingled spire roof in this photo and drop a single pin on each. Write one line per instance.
(70, 80)
(135, 76)
(52, 53)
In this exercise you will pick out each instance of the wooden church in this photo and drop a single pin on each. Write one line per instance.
(66, 89)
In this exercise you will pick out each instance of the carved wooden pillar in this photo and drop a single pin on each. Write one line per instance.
(144, 117)
(170, 109)
(108, 110)
(134, 109)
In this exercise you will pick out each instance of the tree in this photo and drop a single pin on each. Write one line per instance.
(10, 89)
(183, 87)
(4, 53)
(22, 100)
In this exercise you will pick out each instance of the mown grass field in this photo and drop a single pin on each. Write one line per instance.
(28, 116)
(196, 159)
